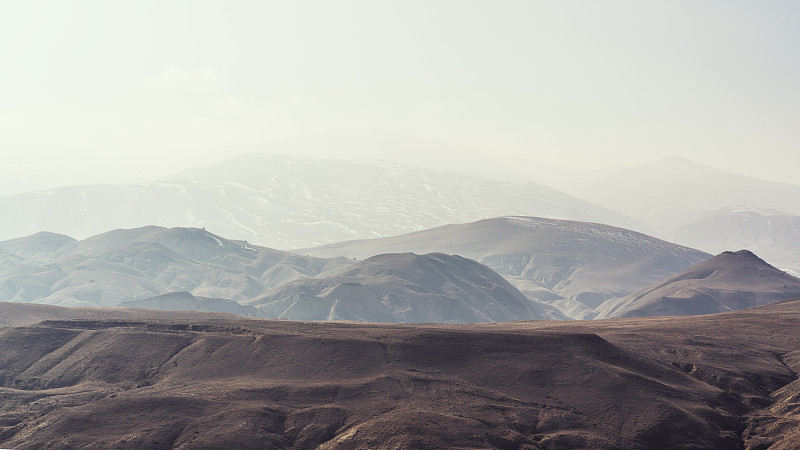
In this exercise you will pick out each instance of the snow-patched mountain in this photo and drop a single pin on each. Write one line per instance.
(726, 282)
(773, 235)
(184, 301)
(574, 266)
(289, 202)
(134, 264)
(405, 287)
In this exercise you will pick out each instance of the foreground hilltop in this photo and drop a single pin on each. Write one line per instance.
(726, 282)
(192, 380)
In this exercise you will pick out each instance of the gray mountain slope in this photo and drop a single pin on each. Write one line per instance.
(184, 301)
(573, 265)
(285, 202)
(270, 267)
(8, 259)
(773, 235)
(726, 282)
(42, 246)
(125, 265)
(405, 288)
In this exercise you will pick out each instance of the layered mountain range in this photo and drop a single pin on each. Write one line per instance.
(502, 269)
(574, 266)
(294, 202)
(110, 372)
(193, 269)
(584, 248)
(286, 202)
(125, 265)
(695, 204)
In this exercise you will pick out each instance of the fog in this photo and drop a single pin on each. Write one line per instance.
(115, 92)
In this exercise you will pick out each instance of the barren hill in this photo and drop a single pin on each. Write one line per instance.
(135, 264)
(42, 246)
(574, 266)
(405, 288)
(728, 281)
(187, 380)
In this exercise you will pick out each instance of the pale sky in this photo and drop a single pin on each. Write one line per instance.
(102, 91)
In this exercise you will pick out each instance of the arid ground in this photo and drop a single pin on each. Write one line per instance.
(123, 378)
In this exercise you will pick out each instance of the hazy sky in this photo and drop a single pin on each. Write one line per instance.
(110, 91)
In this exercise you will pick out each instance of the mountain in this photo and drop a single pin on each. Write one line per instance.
(8, 259)
(123, 378)
(672, 192)
(434, 288)
(184, 301)
(775, 236)
(726, 282)
(289, 202)
(135, 264)
(574, 266)
(42, 246)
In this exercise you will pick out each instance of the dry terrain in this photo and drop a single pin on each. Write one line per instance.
(120, 378)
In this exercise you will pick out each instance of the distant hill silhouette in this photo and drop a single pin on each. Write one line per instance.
(726, 282)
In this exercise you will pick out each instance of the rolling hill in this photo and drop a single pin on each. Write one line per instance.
(433, 288)
(574, 266)
(135, 264)
(726, 282)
